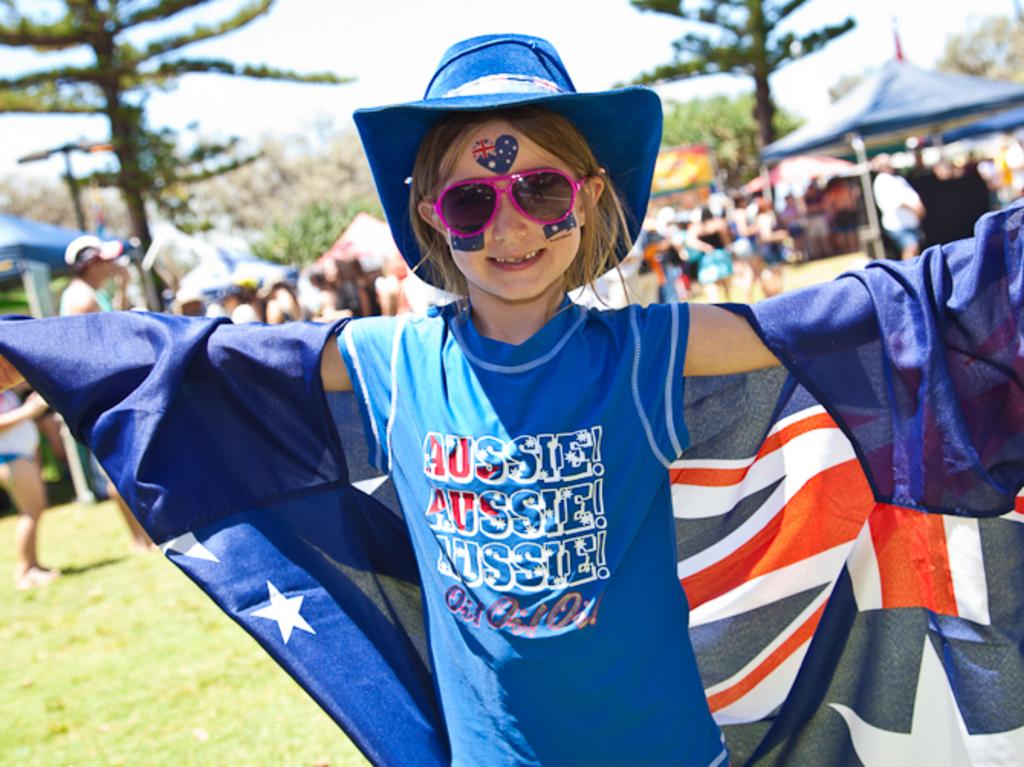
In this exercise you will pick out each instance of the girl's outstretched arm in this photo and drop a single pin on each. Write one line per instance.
(721, 343)
(333, 372)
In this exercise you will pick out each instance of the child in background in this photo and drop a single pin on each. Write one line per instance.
(20, 474)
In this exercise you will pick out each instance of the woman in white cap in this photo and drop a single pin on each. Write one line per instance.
(94, 264)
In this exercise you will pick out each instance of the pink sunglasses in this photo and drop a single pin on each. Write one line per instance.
(543, 195)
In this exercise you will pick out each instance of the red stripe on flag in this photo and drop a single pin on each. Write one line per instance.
(777, 657)
(725, 477)
(913, 561)
(1019, 505)
(830, 509)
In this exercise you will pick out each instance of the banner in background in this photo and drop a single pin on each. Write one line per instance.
(681, 168)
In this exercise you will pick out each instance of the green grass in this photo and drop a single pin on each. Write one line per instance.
(124, 661)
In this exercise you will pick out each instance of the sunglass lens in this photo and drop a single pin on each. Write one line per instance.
(467, 208)
(545, 196)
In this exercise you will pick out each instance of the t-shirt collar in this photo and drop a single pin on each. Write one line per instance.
(499, 356)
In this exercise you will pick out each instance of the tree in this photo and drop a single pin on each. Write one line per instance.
(738, 37)
(726, 125)
(847, 83)
(119, 78)
(992, 47)
(291, 175)
(302, 240)
(47, 200)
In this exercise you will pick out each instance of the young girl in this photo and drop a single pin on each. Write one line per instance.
(528, 438)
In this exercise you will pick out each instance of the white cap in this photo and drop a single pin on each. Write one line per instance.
(84, 249)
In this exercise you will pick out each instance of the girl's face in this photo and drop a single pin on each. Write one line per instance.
(515, 259)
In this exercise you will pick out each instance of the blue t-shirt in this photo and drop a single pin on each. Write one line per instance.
(534, 481)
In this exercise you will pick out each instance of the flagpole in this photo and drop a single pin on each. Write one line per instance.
(875, 247)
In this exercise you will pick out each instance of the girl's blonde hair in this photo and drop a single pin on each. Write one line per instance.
(605, 231)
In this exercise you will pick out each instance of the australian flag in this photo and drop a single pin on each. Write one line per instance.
(848, 528)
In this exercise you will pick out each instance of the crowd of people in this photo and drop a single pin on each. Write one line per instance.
(729, 247)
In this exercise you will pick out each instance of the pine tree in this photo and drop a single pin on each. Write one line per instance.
(738, 37)
(117, 80)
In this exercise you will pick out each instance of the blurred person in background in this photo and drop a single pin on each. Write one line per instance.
(188, 303)
(390, 286)
(327, 306)
(817, 236)
(792, 218)
(94, 263)
(21, 477)
(747, 262)
(841, 199)
(771, 238)
(241, 302)
(672, 286)
(281, 304)
(708, 240)
(901, 208)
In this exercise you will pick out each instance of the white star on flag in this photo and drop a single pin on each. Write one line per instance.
(368, 486)
(284, 610)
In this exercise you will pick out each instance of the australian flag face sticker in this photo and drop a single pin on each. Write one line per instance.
(561, 229)
(498, 156)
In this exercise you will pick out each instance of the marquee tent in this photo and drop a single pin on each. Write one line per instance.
(23, 240)
(800, 170)
(898, 100)
(367, 239)
(1004, 122)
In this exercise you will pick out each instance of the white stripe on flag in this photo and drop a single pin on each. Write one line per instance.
(767, 696)
(798, 461)
(864, 575)
(778, 584)
(967, 568)
(769, 693)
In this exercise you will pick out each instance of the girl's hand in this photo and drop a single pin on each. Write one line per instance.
(9, 376)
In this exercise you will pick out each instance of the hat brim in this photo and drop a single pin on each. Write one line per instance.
(623, 128)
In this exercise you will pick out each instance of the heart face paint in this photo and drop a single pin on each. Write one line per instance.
(561, 229)
(496, 157)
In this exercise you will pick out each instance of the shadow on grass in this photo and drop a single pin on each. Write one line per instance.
(74, 570)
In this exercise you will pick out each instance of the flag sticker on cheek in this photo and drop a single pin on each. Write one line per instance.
(498, 156)
(474, 242)
(561, 229)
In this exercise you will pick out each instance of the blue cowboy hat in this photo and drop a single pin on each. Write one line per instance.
(623, 127)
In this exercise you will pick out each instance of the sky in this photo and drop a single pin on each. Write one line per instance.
(392, 46)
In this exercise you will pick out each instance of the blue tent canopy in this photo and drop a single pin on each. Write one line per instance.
(897, 100)
(24, 240)
(1004, 122)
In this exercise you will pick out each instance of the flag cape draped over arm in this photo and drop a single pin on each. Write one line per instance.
(904, 393)
(220, 439)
